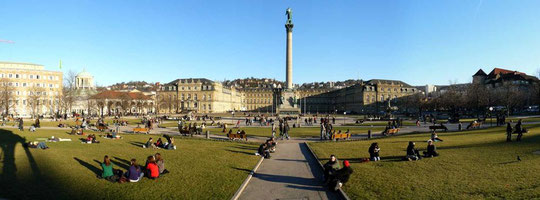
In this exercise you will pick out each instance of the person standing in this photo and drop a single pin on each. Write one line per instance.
(323, 132)
(509, 132)
(281, 129)
(273, 130)
(519, 130)
(286, 129)
(21, 124)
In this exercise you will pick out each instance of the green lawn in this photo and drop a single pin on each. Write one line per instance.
(472, 165)
(200, 169)
(380, 123)
(69, 122)
(295, 132)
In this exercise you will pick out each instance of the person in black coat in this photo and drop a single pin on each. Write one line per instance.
(341, 176)
(509, 132)
(431, 150)
(264, 151)
(412, 152)
(519, 130)
(331, 167)
(374, 152)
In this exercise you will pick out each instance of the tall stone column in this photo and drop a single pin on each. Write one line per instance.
(289, 26)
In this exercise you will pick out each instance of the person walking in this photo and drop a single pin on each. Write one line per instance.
(21, 124)
(286, 129)
(273, 130)
(509, 132)
(519, 130)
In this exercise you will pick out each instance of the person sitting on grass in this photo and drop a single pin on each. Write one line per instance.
(149, 144)
(170, 142)
(341, 176)
(431, 150)
(331, 167)
(152, 170)
(161, 164)
(107, 168)
(374, 152)
(159, 143)
(32, 128)
(134, 173)
(263, 150)
(412, 152)
(435, 137)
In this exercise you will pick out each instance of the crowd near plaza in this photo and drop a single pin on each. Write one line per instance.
(64, 136)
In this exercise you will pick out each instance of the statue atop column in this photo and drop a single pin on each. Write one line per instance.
(289, 15)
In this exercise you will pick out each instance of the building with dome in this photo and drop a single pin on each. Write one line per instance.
(84, 89)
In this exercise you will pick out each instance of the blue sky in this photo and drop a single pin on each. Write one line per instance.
(419, 42)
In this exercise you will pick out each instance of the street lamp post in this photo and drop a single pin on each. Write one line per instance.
(491, 116)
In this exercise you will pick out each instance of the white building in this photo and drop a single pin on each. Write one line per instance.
(84, 88)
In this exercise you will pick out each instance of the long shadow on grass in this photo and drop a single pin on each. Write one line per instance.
(246, 147)
(89, 166)
(242, 152)
(240, 169)
(8, 177)
(137, 144)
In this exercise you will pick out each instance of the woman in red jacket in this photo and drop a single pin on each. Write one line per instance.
(152, 168)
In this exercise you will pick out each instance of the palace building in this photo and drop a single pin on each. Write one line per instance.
(29, 90)
(257, 95)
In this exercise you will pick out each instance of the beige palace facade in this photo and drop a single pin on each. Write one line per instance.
(32, 89)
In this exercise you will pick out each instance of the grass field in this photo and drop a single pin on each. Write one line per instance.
(295, 132)
(200, 169)
(69, 122)
(472, 165)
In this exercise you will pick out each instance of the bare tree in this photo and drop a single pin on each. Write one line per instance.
(35, 100)
(510, 96)
(68, 96)
(7, 96)
(125, 103)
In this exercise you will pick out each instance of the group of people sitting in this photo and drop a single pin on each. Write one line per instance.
(153, 169)
(414, 154)
(241, 132)
(90, 139)
(159, 143)
(266, 148)
(335, 175)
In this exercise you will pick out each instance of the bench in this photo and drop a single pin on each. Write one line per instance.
(102, 127)
(434, 128)
(140, 130)
(237, 136)
(185, 132)
(474, 125)
(338, 136)
(392, 131)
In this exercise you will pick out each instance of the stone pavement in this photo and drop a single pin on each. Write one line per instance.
(291, 173)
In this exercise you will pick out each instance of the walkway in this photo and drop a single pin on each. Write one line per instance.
(291, 173)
